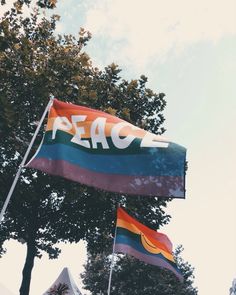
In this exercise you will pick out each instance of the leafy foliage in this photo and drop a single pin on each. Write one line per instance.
(44, 210)
(41, 3)
(133, 276)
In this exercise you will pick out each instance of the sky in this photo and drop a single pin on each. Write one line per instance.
(187, 50)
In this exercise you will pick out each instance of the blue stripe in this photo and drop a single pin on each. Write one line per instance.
(152, 164)
(159, 162)
(123, 239)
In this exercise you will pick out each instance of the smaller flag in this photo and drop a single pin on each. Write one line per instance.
(143, 243)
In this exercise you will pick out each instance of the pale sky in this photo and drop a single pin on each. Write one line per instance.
(187, 50)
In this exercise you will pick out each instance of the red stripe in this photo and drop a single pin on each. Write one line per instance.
(157, 238)
(123, 248)
(110, 182)
(60, 108)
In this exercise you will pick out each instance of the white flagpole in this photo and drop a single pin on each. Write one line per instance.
(112, 263)
(24, 160)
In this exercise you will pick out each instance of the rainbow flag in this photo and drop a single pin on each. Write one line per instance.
(103, 151)
(143, 243)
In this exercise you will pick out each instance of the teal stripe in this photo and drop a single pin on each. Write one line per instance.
(125, 232)
(65, 138)
(133, 148)
(126, 237)
(158, 163)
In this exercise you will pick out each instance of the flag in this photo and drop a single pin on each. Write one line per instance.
(143, 243)
(103, 151)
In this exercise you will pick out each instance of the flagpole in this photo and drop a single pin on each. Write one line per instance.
(112, 262)
(24, 160)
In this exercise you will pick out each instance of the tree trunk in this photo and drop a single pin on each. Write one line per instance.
(27, 270)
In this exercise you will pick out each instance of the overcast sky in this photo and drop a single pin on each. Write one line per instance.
(187, 50)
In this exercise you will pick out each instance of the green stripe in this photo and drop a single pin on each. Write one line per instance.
(137, 240)
(128, 233)
(65, 138)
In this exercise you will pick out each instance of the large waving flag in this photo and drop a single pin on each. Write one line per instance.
(143, 243)
(100, 150)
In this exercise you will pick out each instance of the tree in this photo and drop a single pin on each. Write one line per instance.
(132, 274)
(44, 210)
(40, 3)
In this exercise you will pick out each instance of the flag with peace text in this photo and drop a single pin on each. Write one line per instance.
(103, 151)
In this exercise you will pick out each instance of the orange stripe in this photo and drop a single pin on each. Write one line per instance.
(125, 131)
(131, 227)
(67, 110)
(152, 235)
(127, 225)
(86, 125)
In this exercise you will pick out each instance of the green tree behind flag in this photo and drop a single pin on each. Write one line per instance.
(133, 276)
(44, 210)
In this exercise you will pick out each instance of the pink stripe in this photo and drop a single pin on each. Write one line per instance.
(123, 248)
(166, 186)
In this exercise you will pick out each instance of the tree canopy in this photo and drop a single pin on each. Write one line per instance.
(133, 276)
(40, 3)
(44, 210)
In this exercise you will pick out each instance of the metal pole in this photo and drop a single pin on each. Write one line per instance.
(24, 160)
(112, 262)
